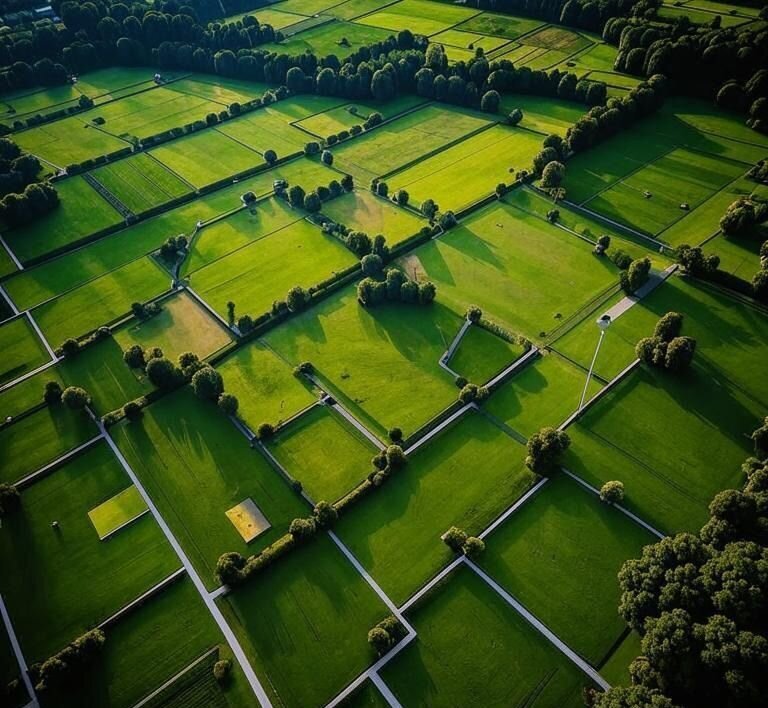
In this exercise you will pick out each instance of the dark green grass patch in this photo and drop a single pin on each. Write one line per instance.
(22, 349)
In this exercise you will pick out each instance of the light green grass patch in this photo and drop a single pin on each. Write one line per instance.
(267, 16)
(698, 17)
(599, 58)
(557, 38)
(542, 114)
(613, 78)
(361, 210)
(478, 163)
(353, 8)
(324, 453)
(22, 349)
(117, 511)
(616, 668)
(467, 41)
(380, 362)
(492, 23)
(474, 649)
(221, 90)
(67, 579)
(312, 608)
(257, 275)
(330, 38)
(738, 256)
(40, 438)
(81, 211)
(566, 538)
(481, 354)
(418, 16)
(140, 182)
(185, 450)
(16, 105)
(465, 476)
(545, 60)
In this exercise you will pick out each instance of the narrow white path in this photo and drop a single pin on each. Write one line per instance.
(517, 364)
(20, 660)
(213, 608)
(512, 509)
(141, 598)
(207, 307)
(42, 471)
(388, 696)
(426, 588)
(344, 413)
(653, 282)
(438, 428)
(541, 627)
(40, 334)
(11, 254)
(10, 302)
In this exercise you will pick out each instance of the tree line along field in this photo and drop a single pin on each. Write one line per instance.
(372, 427)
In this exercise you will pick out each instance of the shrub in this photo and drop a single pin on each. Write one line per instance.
(302, 529)
(52, 392)
(132, 410)
(380, 640)
(312, 148)
(395, 457)
(265, 431)
(134, 357)
(229, 568)
(455, 538)
(636, 275)
(680, 353)
(471, 392)
(474, 314)
(545, 449)
(221, 670)
(669, 326)
(326, 157)
(270, 157)
(297, 299)
(621, 259)
(395, 435)
(75, 398)
(70, 347)
(325, 514)
(245, 324)
(163, 373)
(473, 547)
(228, 403)
(612, 492)
(402, 197)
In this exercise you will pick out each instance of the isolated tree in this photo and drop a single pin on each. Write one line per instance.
(270, 157)
(515, 117)
(396, 435)
(636, 275)
(228, 403)
(10, 499)
(473, 547)
(296, 196)
(545, 449)
(52, 392)
(222, 670)
(75, 398)
(429, 209)
(265, 431)
(302, 529)
(231, 313)
(327, 157)
(297, 299)
(70, 347)
(229, 568)
(208, 384)
(612, 492)
(312, 203)
(133, 356)
(380, 640)
(402, 197)
(474, 314)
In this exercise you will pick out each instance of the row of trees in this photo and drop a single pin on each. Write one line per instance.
(36, 200)
(395, 287)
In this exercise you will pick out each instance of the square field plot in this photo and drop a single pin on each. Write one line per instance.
(465, 476)
(382, 363)
(478, 164)
(66, 579)
(324, 453)
(21, 347)
(491, 23)
(474, 649)
(248, 519)
(518, 268)
(418, 16)
(565, 537)
(196, 466)
(481, 355)
(310, 609)
(123, 508)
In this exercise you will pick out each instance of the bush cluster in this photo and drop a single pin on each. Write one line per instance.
(395, 287)
(666, 349)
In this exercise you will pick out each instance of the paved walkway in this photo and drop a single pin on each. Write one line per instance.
(388, 696)
(654, 281)
(40, 334)
(11, 254)
(344, 413)
(23, 670)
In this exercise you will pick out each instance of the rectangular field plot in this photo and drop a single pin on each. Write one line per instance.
(380, 362)
(312, 608)
(501, 259)
(221, 90)
(558, 38)
(680, 177)
(257, 275)
(141, 182)
(184, 450)
(478, 163)
(507, 26)
(361, 210)
(466, 476)
(544, 393)
(327, 455)
(207, 157)
(543, 114)
(81, 212)
(419, 16)
(100, 301)
(474, 649)
(599, 58)
(248, 519)
(182, 326)
(21, 347)
(109, 516)
(403, 141)
(329, 38)
(66, 577)
(740, 257)
(37, 439)
(463, 45)
(264, 384)
(566, 537)
(481, 354)
(674, 442)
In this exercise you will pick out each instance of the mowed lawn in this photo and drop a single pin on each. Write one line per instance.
(565, 538)
(519, 269)
(418, 16)
(674, 441)
(543, 114)
(39, 438)
(184, 451)
(478, 164)
(324, 452)
(466, 476)
(474, 649)
(310, 609)
(329, 39)
(66, 579)
(265, 385)
(22, 349)
(81, 212)
(380, 362)
(363, 211)
(262, 272)
(481, 355)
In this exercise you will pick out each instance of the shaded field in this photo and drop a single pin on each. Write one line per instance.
(22, 349)
(328, 39)
(543, 114)
(499, 25)
(419, 16)
(481, 354)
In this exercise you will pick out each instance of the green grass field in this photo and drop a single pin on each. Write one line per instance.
(324, 453)
(474, 649)
(22, 349)
(140, 182)
(478, 164)
(363, 211)
(184, 451)
(507, 26)
(264, 384)
(395, 532)
(461, 44)
(616, 668)
(81, 212)
(262, 272)
(68, 579)
(39, 438)
(375, 360)
(310, 609)
(519, 269)
(329, 39)
(543, 115)
(566, 538)
(419, 16)
(557, 38)
(117, 511)
(481, 355)
(219, 89)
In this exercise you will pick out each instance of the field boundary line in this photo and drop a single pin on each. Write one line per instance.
(19, 265)
(27, 375)
(518, 363)
(146, 595)
(125, 524)
(538, 625)
(298, 414)
(619, 507)
(384, 690)
(453, 346)
(344, 413)
(501, 425)
(216, 613)
(10, 302)
(499, 520)
(174, 678)
(53, 465)
(40, 334)
(437, 429)
(20, 660)
(149, 154)
(210, 310)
